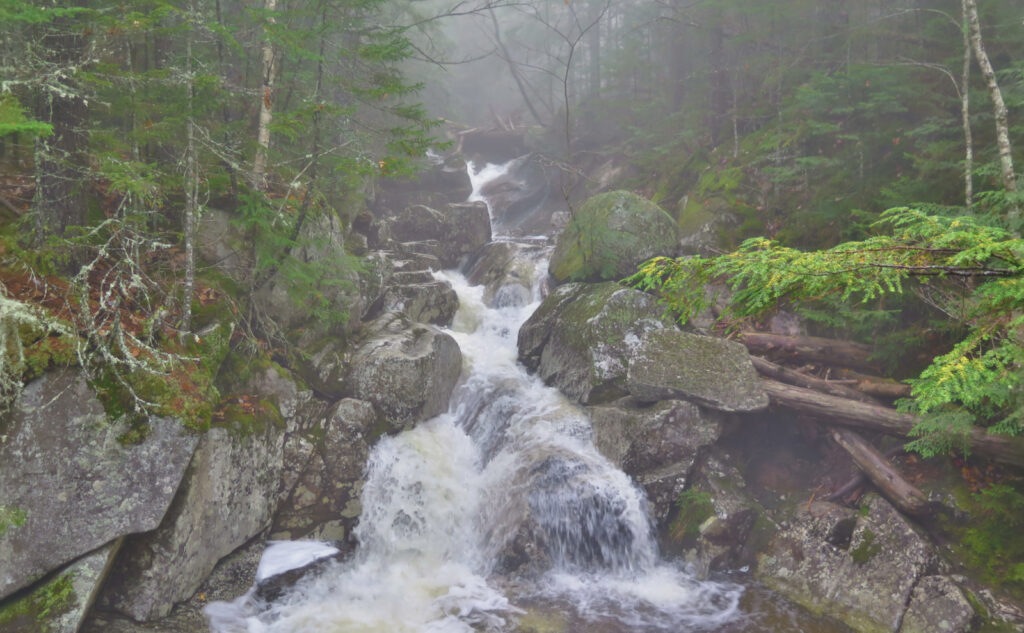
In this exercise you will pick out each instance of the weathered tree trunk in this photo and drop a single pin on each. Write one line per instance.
(893, 487)
(970, 8)
(809, 349)
(788, 376)
(1001, 448)
(259, 168)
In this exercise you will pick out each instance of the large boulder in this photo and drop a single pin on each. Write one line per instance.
(457, 230)
(328, 461)
(62, 458)
(710, 371)
(229, 495)
(583, 336)
(858, 567)
(938, 605)
(656, 445)
(610, 235)
(406, 370)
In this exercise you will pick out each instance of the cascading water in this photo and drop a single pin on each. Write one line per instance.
(500, 505)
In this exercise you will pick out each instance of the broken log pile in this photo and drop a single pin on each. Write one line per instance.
(853, 401)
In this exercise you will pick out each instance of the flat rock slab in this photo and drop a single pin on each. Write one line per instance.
(72, 483)
(670, 364)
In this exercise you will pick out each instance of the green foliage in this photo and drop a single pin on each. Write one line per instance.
(992, 543)
(978, 381)
(14, 121)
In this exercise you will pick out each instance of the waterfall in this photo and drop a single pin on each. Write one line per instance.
(496, 507)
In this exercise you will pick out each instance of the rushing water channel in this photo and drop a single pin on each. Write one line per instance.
(444, 501)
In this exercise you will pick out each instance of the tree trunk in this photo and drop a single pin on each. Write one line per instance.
(970, 8)
(809, 349)
(191, 185)
(893, 487)
(513, 70)
(259, 168)
(790, 377)
(965, 112)
(1001, 448)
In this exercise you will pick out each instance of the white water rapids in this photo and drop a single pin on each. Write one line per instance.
(444, 501)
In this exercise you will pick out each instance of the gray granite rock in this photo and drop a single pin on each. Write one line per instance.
(583, 338)
(73, 482)
(938, 606)
(656, 445)
(860, 568)
(406, 370)
(712, 372)
(228, 496)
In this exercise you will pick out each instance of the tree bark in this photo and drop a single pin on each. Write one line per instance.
(259, 168)
(970, 8)
(893, 487)
(790, 377)
(513, 70)
(1002, 448)
(965, 111)
(809, 349)
(191, 184)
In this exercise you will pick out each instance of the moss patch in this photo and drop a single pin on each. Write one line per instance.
(39, 609)
(866, 549)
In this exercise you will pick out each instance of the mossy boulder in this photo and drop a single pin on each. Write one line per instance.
(656, 445)
(582, 337)
(610, 235)
(710, 371)
(859, 567)
(62, 458)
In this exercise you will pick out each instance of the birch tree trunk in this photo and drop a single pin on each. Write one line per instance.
(965, 112)
(191, 185)
(970, 8)
(259, 168)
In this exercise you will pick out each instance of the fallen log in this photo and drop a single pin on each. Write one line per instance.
(767, 368)
(893, 487)
(809, 348)
(1001, 448)
(876, 386)
(858, 479)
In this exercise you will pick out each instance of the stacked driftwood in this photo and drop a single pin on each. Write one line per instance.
(850, 398)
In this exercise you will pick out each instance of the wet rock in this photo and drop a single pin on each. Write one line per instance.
(60, 603)
(656, 445)
(458, 230)
(406, 370)
(70, 484)
(507, 271)
(432, 301)
(231, 577)
(724, 538)
(583, 337)
(228, 496)
(858, 567)
(705, 226)
(938, 606)
(324, 500)
(712, 372)
(609, 236)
